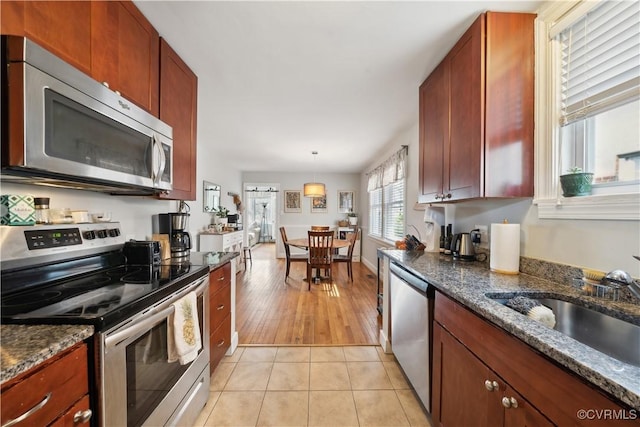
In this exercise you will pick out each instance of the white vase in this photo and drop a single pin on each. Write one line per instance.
(222, 221)
(353, 220)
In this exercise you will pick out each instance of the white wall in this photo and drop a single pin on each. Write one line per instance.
(602, 245)
(297, 224)
(133, 212)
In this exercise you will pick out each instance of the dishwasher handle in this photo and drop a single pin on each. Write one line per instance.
(409, 278)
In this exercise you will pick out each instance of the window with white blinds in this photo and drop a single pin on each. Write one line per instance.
(393, 218)
(386, 211)
(600, 60)
(386, 197)
(599, 81)
(375, 212)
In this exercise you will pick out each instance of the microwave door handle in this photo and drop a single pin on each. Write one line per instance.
(156, 159)
(154, 156)
(163, 161)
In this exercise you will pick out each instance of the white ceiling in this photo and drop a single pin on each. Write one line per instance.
(278, 80)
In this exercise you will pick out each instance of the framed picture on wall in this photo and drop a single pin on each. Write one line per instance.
(319, 204)
(292, 201)
(346, 199)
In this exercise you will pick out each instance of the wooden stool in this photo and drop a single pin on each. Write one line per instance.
(245, 250)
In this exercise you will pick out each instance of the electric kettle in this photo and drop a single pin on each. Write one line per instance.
(462, 247)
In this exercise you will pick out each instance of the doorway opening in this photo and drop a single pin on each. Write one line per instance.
(261, 212)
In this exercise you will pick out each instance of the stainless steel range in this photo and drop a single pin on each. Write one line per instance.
(78, 274)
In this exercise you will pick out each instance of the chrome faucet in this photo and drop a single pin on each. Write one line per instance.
(622, 278)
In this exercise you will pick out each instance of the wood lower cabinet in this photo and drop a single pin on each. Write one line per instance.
(58, 387)
(472, 394)
(220, 314)
(483, 376)
(178, 108)
(476, 114)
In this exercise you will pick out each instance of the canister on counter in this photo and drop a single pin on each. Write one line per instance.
(43, 214)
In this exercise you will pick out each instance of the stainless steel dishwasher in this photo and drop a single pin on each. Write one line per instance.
(411, 302)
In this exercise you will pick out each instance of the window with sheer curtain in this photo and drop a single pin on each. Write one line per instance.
(386, 186)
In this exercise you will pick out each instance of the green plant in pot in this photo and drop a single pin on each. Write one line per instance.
(221, 213)
(576, 183)
(353, 218)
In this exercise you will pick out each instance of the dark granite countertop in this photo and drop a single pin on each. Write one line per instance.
(470, 283)
(24, 346)
(212, 259)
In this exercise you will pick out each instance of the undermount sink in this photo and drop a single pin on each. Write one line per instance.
(614, 337)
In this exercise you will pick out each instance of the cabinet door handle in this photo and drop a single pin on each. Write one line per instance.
(220, 344)
(509, 402)
(82, 416)
(491, 385)
(448, 196)
(220, 307)
(221, 279)
(29, 412)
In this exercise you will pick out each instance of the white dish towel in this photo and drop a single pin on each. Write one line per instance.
(183, 330)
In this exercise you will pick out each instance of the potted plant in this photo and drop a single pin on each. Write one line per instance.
(353, 218)
(576, 182)
(221, 213)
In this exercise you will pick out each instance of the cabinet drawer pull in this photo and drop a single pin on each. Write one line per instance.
(220, 307)
(82, 416)
(29, 412)
(221, 279)
(220, 344)
(491, 385)
(509, 402)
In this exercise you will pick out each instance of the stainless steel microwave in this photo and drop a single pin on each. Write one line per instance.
(62, 128)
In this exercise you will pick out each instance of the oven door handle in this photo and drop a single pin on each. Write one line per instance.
(143, 325)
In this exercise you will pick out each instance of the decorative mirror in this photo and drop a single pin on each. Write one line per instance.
(211, 199)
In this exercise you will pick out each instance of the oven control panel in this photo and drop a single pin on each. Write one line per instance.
(32, 245)
(43, 239)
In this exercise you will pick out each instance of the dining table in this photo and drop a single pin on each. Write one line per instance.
(303, 243)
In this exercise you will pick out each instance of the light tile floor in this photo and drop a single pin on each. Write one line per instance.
(311, 386)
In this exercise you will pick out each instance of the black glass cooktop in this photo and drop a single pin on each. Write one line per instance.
(100, 298)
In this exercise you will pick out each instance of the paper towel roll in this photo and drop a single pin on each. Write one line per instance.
(505, 248)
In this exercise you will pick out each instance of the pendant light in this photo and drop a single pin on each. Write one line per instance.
(314, 189)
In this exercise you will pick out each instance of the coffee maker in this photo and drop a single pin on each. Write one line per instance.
(175, 225)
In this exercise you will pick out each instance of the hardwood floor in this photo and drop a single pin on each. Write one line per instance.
(270, 311)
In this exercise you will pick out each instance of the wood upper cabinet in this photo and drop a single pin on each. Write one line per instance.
(111, 41)
(178, 108)
(476, 114)
(126, 52)
(483, 376)
(62, 27)
(434, 107)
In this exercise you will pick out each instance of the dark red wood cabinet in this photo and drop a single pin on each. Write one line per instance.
(476, 114)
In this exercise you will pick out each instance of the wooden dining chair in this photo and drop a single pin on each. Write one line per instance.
(352, 237)
(287, 250)
(320, 253)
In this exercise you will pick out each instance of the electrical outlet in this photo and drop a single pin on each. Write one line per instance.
(484, 234)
